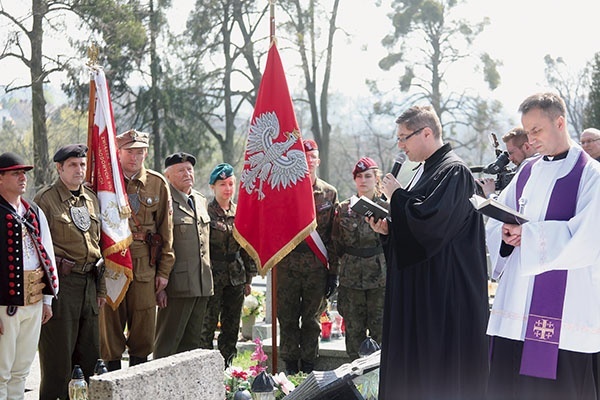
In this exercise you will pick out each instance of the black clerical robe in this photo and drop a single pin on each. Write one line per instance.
(436, 307)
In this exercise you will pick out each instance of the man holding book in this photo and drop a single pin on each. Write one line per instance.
(545, 321)
(436, 306)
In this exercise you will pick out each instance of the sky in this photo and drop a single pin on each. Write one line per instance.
(520, 34)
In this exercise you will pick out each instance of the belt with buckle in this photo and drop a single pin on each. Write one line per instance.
(32, 281)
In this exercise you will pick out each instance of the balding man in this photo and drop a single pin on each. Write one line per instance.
(590, 141)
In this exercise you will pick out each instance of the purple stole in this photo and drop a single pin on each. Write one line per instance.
(540, 350)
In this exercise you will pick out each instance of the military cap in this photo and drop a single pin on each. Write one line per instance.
(310, 145)
(11, 161)
(221, 171)
(133, 139)
(177, 158)
(70, 150)
(364, 164)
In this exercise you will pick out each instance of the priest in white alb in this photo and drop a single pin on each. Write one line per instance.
(545, 321)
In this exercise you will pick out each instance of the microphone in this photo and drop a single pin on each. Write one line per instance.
(398, 161)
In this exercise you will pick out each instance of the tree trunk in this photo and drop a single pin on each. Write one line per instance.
(154, 90)
(38, 102)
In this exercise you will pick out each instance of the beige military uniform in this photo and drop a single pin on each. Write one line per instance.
(71, 335)
(178, 325)
(150, 200)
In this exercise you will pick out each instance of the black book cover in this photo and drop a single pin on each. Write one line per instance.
(498, 211)
(364, 206)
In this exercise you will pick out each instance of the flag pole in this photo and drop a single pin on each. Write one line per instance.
(92, 64)
(274, 347)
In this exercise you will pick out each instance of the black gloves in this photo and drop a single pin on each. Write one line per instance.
(331, 285)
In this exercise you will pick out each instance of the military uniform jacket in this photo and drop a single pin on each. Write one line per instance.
(69, 241)
(11, 251)
(191, 275)
(358, 248)
(150, 201)
(302, 256)
(230, 263)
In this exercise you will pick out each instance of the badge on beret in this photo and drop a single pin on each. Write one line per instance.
(81, 218)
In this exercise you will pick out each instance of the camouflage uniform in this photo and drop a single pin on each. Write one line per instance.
(301, 283)
(362, 275)
(232, 268)
(71, 335)
(150, 200)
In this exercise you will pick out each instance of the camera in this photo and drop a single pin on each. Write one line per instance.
(498, 167)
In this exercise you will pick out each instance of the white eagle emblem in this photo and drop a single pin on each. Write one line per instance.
(273, 163)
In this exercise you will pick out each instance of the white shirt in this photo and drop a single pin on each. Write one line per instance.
(546, 245)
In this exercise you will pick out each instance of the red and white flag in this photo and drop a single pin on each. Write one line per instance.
(107, 182)
(276, 209)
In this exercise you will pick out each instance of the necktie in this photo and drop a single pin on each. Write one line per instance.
(190, 201)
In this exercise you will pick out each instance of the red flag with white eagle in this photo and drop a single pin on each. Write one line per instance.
(276, 209)
(106, 179)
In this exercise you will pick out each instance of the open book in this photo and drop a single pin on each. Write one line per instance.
(497, 210)
(364, 206)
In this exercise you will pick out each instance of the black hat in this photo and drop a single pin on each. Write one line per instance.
(70, 150)
(11, 161)
(178, 158)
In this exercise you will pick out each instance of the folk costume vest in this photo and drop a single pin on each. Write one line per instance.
(12, 228)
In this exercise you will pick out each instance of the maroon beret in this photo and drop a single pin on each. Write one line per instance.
(364, 164)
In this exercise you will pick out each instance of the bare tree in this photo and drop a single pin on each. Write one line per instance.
(573, 86)
(304, 23)
(427, 41)
(25, 44)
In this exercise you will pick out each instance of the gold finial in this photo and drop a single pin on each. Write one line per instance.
(93, 53)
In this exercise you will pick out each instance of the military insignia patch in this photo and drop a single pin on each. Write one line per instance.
(81, 218)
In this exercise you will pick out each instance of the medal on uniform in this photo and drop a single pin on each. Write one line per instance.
(81, 218)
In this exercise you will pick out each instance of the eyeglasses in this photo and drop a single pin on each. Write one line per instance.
(403, 139)
(584, 142)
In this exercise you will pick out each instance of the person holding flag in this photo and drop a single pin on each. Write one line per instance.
(305, 281)
(151, 224)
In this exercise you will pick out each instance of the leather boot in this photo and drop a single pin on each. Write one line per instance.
(133, 360)
(291, 367)
(113, 365)
(307, 366)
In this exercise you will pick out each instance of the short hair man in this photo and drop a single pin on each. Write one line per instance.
(27, 273)
(436, 305)
(590, 141)
(518, 149)
(183, 302)
(304, 282)
(545, 321)
(72, 336)
(518, 146)
(151, 223)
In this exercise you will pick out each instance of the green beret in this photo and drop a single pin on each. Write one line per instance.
(178, 158)
(221, 171)
(70, 150)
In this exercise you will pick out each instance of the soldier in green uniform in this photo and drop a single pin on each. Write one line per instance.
(304, 282)
(71, 336)
(182, 305)
(361, 292)
(232, 268)
(151, 222)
